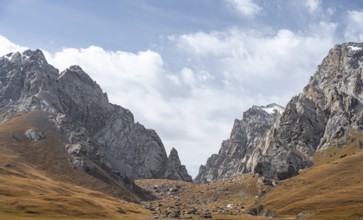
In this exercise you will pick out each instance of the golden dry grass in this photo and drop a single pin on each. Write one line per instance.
(34, 193)
(332, 189)
(49, 154)
(40, 183)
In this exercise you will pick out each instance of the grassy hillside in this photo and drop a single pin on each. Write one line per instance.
(332, 189)
(27, 190)
(37, 178)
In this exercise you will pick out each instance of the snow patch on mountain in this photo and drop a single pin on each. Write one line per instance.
(354, 48)
(272, 108)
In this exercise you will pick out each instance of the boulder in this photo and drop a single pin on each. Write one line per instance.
(206, 214)
(34, 135)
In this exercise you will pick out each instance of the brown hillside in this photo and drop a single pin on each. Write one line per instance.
(332, 189)
(37, 177)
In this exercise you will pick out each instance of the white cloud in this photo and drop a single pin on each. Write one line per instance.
(354, 29)
(245, 7)
(188, 76)
(7, 46)
(114, 69)
(250, 58)
(313, 5)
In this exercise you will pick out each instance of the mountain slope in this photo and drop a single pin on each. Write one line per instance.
(332, 189)
(105, 133)
(28, 191)
(38, 177)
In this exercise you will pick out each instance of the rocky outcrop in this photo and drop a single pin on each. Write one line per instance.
(28, 82)
(327, 110)
(236, 151)
(34, 135)
(98, 132)
(175, 170)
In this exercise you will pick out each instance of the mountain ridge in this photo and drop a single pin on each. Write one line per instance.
(106, 133)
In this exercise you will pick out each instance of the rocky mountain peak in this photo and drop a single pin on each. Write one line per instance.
(273, 108)
(28, 56)
(13, 57)
(174, 169)
(105, 133)
(234, 153)
(173, 153)
(262, 111)
(34, 56)
(75, 72)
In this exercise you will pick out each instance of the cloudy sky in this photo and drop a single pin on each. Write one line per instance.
(186, 68)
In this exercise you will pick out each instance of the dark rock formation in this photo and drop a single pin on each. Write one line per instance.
(174, 170)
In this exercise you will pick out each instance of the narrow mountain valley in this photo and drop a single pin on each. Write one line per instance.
(67, 153)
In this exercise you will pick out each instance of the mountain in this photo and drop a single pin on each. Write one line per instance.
(325, 113)
(67, 153)
(236, 151)
(98, 133)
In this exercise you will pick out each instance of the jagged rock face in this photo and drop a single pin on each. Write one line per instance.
(329, 107)
(175, 170)
(104, 133)
(132, 147)
(82, 99)
(28, 82)
(235, 152)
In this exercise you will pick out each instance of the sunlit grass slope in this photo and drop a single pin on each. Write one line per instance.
(331, 189)
(36, 178)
